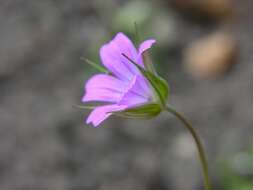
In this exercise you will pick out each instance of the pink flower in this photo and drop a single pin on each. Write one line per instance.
(126, 87)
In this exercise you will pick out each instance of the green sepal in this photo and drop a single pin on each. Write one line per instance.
(142, 111)
(95, 65)
(84, 107)
(148, 63)
(159, 85)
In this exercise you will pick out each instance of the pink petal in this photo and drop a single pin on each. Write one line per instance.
(103, 87)
(144, 46)
(147, 44)
(111, 56)
(138, 93)
(130, 99)
(105, 81)
(101, 113)
(101, 95)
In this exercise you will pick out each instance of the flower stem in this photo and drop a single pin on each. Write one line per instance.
(200, 148)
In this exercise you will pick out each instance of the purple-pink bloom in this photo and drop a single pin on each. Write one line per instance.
(125, 87)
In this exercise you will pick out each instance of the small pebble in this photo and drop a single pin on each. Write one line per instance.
(210, 56)
(212, 9)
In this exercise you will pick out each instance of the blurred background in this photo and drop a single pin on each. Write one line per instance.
(204, 50)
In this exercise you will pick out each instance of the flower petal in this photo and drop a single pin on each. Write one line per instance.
(101, 95)
(147, 44)
(101, 113)
(111, 56)
(139, 92)
(105, 88)
(105, 81)
(144, 46)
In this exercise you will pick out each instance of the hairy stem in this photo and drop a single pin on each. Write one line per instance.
(200, 148)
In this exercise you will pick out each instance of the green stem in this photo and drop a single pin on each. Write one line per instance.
(200, 148)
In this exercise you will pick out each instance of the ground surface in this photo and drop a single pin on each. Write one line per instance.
(44, 143)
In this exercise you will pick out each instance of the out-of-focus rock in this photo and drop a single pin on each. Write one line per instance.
(212, 9)
(210, 56)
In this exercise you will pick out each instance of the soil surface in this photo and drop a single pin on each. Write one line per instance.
(44, 142)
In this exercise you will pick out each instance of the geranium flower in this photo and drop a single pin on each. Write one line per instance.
(130, 89)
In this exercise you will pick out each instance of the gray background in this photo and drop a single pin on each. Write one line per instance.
(44, 141)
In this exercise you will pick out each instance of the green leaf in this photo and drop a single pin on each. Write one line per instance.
(159, 85)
